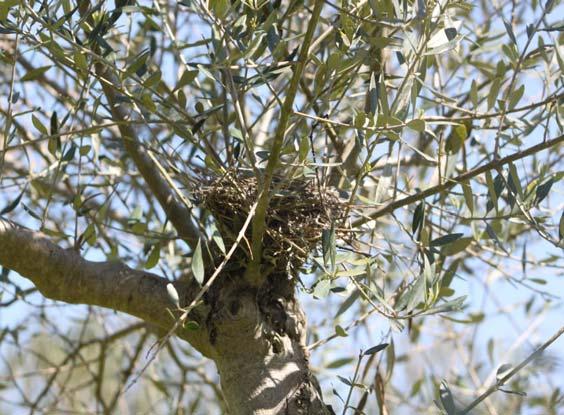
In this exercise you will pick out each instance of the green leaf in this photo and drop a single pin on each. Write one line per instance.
(457, 246)
(414, 295)
(80, 61)
(191, 325)
(449, 274)
(254, 44)
(137, 64)
(348, 303)
(322, 288)
(340, 331)
(473, 318)
(429, 273)
(516, 96)
(153, 79)
(449, 306)
(54, 123)
(446, 239)
(153, 258)
(5, 7)
(539, 281)
(509, 29)
(503, 371)
(446, 398)
(543, 190)
(490, 231)
(418, 215)
(69, 154)
(474, 94)
(353, 272)
(495, 187)
(416, 125)
(344, 380)
(339, 363)
(494, 91)
(198, 263)
(35, 73)
(304, 148)
(181, 98)
(39, 125)
(89, 235)
(468, 197)
(173, 295)
(360, 120)
(220, 8)
(54, 145)
(187, 77)
(328, 245)
(13, 204)
(513, 180)
(376, 349)
(561, 227)
(216, 237)
(456, 138)
(139, 228)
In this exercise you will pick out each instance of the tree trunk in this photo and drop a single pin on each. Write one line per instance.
(260, 350)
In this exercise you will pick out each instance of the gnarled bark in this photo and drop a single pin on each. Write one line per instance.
(259, 339)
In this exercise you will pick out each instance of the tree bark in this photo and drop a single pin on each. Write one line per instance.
(259, 338)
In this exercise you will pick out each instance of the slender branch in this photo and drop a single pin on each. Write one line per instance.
(450, 119)
(259, 222)
(495, 164)
(177, 211)
(504, 379)
(63, 275)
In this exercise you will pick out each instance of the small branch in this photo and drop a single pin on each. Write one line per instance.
(63, 275)
(450, 119)
(406, 201)
(503, 380)
(177, 211)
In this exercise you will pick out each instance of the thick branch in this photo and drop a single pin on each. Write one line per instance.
(63, 275)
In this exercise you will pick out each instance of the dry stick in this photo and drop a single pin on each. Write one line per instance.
(259, 222)
(205, 288)
(501, 381)
(458, 179)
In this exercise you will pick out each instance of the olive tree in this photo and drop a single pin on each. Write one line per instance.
(219, 170)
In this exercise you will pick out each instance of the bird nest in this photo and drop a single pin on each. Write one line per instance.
(297, 214)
